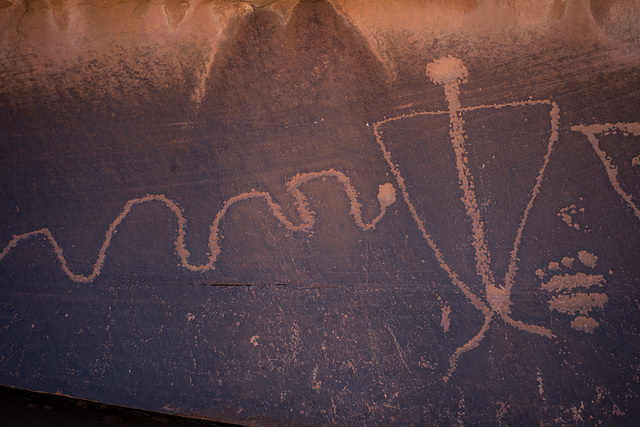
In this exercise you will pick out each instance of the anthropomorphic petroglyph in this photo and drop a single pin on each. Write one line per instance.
(386, 197)
(450, 72)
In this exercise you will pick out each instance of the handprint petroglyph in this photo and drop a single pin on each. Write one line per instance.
(561, 279)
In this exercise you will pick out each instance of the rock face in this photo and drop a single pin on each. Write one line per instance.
(314, 212)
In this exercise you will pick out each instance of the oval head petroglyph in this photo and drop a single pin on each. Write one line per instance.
(447, 71)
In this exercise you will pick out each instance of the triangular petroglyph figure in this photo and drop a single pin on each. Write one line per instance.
(460, 169)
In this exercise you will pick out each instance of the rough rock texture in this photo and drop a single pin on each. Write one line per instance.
(313, 212)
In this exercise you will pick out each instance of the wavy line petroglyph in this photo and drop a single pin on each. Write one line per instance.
(450, 72)
(386, 197)
(592, 132)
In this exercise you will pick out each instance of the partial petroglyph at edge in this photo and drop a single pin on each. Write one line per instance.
(594, 133)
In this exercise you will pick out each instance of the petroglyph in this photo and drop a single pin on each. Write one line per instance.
(568, 214)
(540, 384)
(494, 300)
(584, 324)
(397, 344)
(587, 258)
(568, 261)
(445, 322)
(567, 282)
(592, 133)
(386, 197)
(450, 72)
(575, 303)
